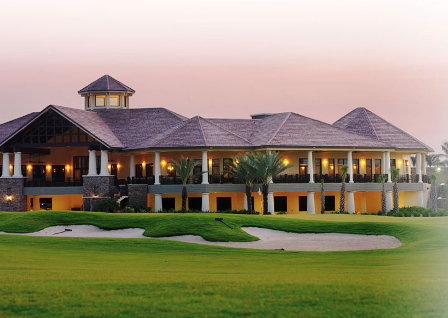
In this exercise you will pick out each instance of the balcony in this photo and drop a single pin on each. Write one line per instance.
(357, 178)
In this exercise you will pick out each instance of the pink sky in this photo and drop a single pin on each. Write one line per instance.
(234, 58)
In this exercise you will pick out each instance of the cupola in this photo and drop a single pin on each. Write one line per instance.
(106, 93)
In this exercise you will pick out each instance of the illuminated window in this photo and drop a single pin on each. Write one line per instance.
(100, 101)
(114, 100)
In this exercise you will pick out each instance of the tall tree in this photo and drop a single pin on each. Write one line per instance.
(243, 169)
(322, 196)
(395, 173)
(184, 168)
(342, 200)
(382, 180)
(433, 160)
(267, 166)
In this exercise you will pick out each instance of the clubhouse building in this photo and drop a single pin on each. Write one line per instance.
(69, 159)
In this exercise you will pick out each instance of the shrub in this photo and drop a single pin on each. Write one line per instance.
(281, 212)
(199, 211)
(127, 209)
(109, 205)
(416, 211)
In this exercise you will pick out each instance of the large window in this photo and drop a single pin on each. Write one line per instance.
(168, 204)
(39, 173)
(114, 100)
(331, 170)
(341, 163)
(280, 204)
(171, 170)
(303, 166)
(303, 203)
(215, 171)
(58, 173)
(223, 203)
(355, 166)
(318, 166)
(46, 203)
(393, 163)
(330, 203)
(80, 168)
(377, 166)
(195, 204)
(149, 169)
(139, 170)
(369, 167)
(100, 100)
(197, 171)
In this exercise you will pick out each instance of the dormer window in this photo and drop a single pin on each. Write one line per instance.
(114, 100)
(100, 100)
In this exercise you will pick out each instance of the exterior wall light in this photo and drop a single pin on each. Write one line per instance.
(363, 162)
(325, 161)
(143, 164)
(163, 162)
(9, 198)
(209, 161)
(285, 162)
(48, 168)
(67, 168)
(10, 168)
(118, 166)
(29, 167)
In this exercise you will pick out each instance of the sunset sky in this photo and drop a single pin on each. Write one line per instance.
(233, 58)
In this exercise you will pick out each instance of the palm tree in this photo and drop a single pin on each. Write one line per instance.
(382, 180)
(342, 200)
(243, 169)
(267, 166)
(414, 161)
(184, 168)
(433, 193)
(395, 173)
(433, 160)
(322, 197)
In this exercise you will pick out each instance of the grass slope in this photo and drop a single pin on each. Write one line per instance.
(80, 277)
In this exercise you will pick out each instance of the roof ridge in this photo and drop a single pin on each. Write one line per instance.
(175, 129)
(279, 127)
(428, 148)
(107, 82)
(230, 132)
(370, 123)
(202, 130)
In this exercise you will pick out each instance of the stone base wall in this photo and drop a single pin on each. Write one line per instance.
(138, 195)
(12, 187)
(88, 203)
(95, 189)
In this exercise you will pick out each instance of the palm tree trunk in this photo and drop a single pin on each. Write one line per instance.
(249, 199)
(322, 200)
(383, 201)
(265, 190)
(342, 201)
(184, 199)
(395, 197)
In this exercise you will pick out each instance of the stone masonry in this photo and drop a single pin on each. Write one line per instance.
(12, 198)
(95, 189)
(138, 195)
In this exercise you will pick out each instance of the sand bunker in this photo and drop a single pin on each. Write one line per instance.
(269, 239)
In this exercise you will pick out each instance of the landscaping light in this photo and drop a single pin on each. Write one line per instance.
(438, 169)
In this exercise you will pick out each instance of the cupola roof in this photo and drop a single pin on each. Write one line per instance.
(106, 83)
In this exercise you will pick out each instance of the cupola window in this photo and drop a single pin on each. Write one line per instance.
(100, 101)
(114, 100)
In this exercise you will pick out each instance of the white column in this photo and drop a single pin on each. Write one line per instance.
(92, 163)
(419, 166)
(6, 173)
(311, 166)
(271, 202)
(383, 163)
(157, 168)
(350, 202)
(389, 179)
(389, 201)
(420, 198)
(17, 165)
(132, 166)
(350, 165)
(104, 163)
(204, 167)
(157, 202)
(424, 163)
(86, 102)
(121, 101)
(205, 202)
(310, 203)
(92, 101)
(107, 100)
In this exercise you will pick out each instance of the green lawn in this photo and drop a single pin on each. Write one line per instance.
(80, 277)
